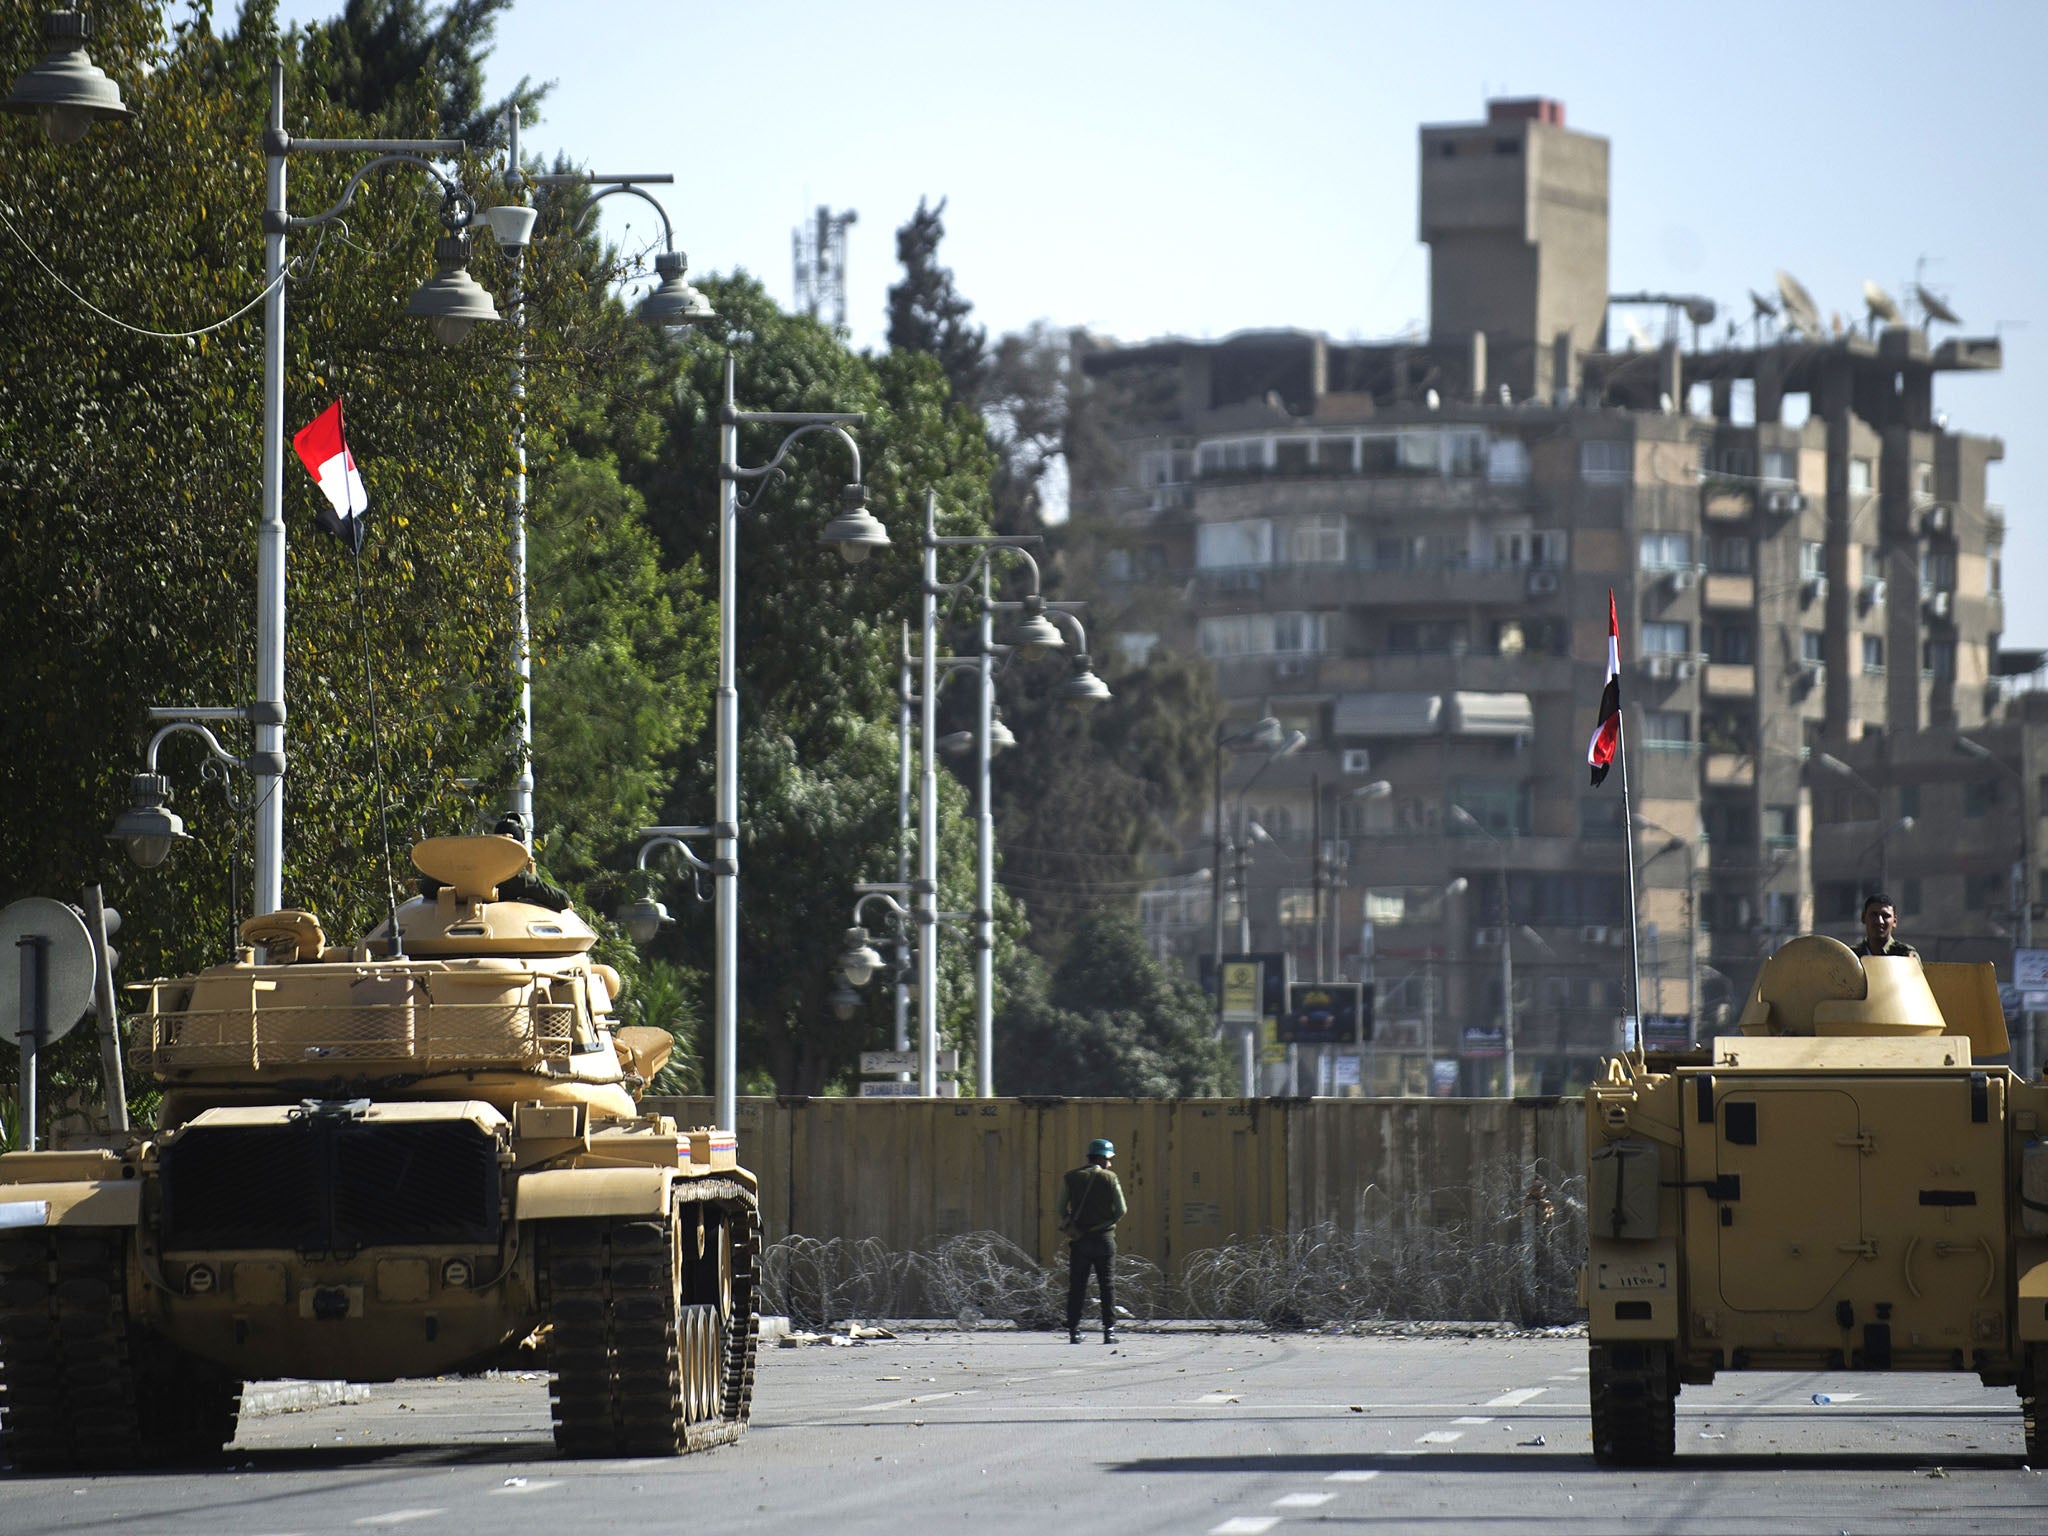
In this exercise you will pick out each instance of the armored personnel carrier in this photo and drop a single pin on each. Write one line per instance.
(1846, 1185)
(376, 1161)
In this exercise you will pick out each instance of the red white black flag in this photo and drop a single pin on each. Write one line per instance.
(324, 452)
(1607, 734)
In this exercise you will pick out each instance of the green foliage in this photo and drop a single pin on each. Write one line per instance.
(1111, 1022)
(664, 998)
(927, 313)
(379, 54)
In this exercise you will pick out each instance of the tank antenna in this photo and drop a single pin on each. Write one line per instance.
(1637, 1065)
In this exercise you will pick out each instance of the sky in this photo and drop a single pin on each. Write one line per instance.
(1194, 168)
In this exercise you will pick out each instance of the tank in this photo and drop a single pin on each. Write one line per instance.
(373, 1164)
(1849, 1184)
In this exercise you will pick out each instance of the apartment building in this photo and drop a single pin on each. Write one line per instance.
(1403, 551)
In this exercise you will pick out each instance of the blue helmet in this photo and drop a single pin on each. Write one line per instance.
(1102, 1146)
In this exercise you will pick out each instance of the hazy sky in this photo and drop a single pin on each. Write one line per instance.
(1197, 168)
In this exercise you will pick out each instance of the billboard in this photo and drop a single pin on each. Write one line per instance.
(1327, 1013)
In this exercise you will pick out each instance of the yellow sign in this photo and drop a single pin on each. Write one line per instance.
(1240, 991)
(1270, 1049)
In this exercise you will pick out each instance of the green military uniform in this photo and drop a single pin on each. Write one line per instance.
(1092, 1206)
(1891, 947)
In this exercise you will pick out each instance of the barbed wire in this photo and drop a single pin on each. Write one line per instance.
(1428, 1258)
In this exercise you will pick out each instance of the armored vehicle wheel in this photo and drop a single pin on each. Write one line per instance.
(1635, 1404)
(650, 1355)
(188, 1408)
(2034, 1406)
(69, 1388)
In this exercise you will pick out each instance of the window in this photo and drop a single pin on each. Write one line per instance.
(1813, 647)
(1418, 453)
(1781, 826)
(1861, 477)
(1298, 634)
(1838, 901)
(1606, 460)
(1729, 643)
(1116, 565)
(1923, 478)
(1873, 655)
(1727, 821)
(1938, 660)
(1980, 798)
(1813, 559)
(1165, 466)
(1503, 809)
(1600, 818)
(1243, 456)
(1994, 571)
(1666, 551)
(1728, 730)
(1909, 897)
(1507, 461)
(1316, 540)
(1873, 562)
(1937, 570)
(1984, 892)
(1664, 638)
(1909, 800)
(1226, 546)
(1297, 907)
(1729, 555)
(1264, 634)
(1665, 729)
(1290, 454)
(1425, 637)
(1781, 464)
(1337, 454)
(1781, 909)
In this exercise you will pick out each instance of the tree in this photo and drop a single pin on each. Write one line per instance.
(927, 313)
(1111, 1022)
(378, 54)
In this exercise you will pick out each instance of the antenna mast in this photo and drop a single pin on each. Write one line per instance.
(819, 253)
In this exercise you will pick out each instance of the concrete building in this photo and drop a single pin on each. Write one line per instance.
(1403, 551)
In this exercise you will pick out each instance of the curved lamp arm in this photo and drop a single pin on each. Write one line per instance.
(456, 197)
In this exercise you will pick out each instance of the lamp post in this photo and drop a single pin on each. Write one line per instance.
(1507, 952)
(1841, 769)
(2025, 885)
(854, 532)
(1378, 789)
(673, 303)
(450, 302)
(1265, 732)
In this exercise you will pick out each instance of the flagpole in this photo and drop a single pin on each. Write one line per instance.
(1628, 837)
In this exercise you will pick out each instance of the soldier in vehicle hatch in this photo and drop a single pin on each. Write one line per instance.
(1880, 928)
(1093, 1205)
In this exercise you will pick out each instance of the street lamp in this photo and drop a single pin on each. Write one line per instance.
(67, 92)
(1269, 734)
(1983, 754)
(853, 543)
(644, 918)
(450, 302)
(1507, 952)
(1320, 873)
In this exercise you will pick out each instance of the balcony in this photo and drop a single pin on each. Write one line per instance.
(1730, 680)
(1726, 506)
(1727, 591)
(1729, 770)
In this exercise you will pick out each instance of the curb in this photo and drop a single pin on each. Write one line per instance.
(260, 1398)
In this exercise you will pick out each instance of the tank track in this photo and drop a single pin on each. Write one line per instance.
(647, 1356)
(1634, 1404)
(79, 1388)
(2034, 1406)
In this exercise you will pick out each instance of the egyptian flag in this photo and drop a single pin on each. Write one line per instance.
(1607, 734)
(325, 454)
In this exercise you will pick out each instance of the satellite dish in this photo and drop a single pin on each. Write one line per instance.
(1763, 306)
(1880, 304)
(1936, 310)
(1800, 311)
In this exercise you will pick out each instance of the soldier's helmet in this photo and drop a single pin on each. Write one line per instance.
(1102, 1146)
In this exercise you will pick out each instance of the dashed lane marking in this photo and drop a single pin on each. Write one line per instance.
(1471, 1421)
(400, 1516)
(526, 1487)
(928, 1397)
(1440, 1437)
(1214, 1399)
(1351, 1476)
(1514, 1399)
(1303, 1500)
(1245, 1525)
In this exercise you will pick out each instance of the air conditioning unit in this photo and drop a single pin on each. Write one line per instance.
(1357, 760)
(1543, 583)
(1782, 502)
(1486, 938)
(1872, 592)
(1934, 522)
(1657, 666)
(1941, 606)
(1291, 666)
(1683, 668)
(1813, 589)
(1811, 674)
(1681, 580)
(1593, 935)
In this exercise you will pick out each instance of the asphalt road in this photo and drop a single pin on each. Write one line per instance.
(1176, 1430)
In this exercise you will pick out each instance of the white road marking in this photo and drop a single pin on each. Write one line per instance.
(525, 1487)
(1303, 1500)
(928, 1397)
(1514, 1399)
(1214, 1398)
(1471, 1421)
(1245, 1525)
(1351, 1477)
(1440, 1437)
(400, 1516)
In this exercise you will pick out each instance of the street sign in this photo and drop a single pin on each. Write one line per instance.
(887, 1063)
(1240, 991)
(67, 965)
(2030, 970)
(889, 1090)
(1327, 1013)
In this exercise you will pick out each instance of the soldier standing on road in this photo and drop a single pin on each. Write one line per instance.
(1094, 1204)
